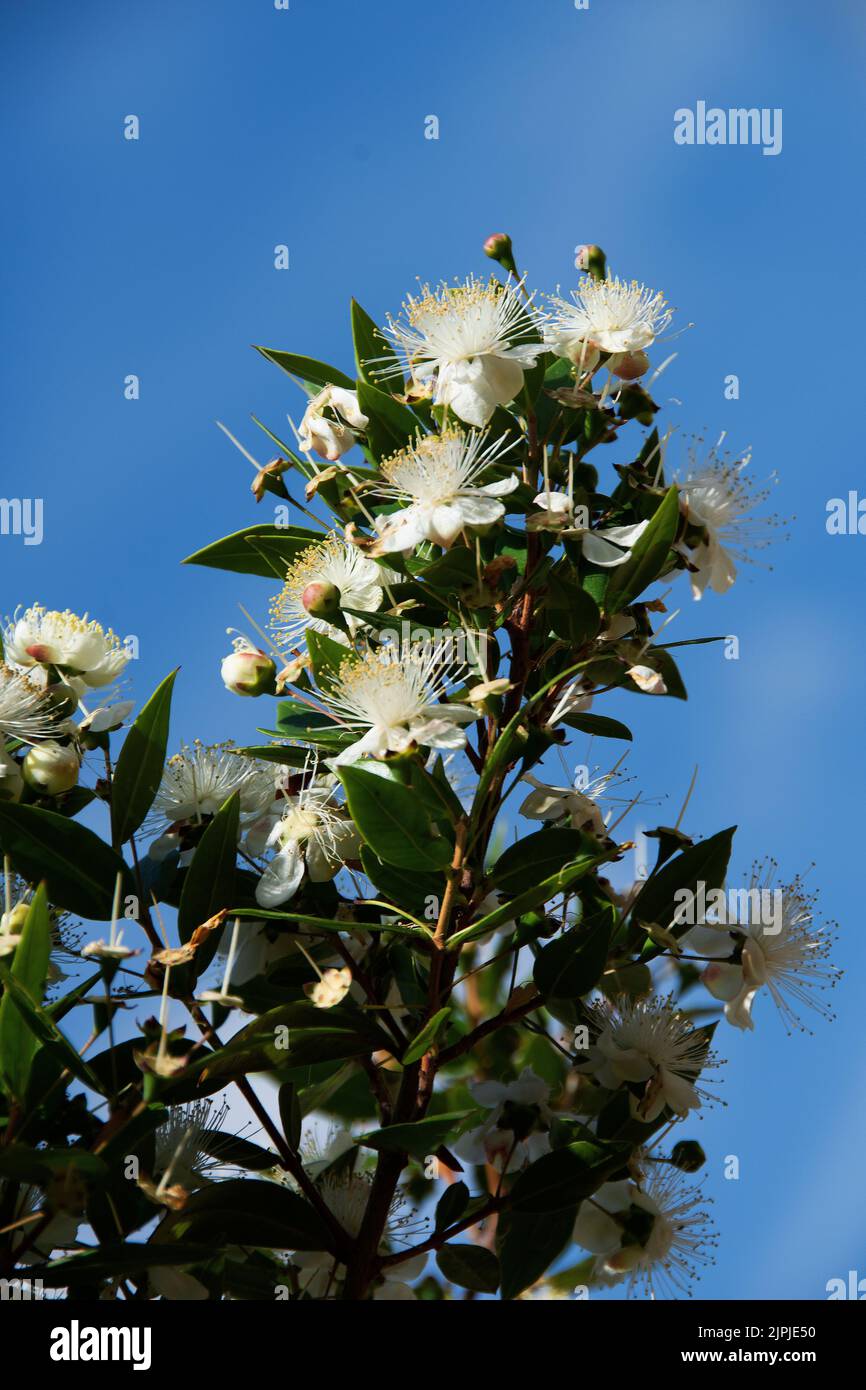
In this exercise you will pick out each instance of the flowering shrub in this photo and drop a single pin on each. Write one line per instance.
(469, 1061)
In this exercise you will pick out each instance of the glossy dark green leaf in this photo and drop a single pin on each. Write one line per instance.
(391, 425)
(572, 965)
(469, 1267)
(375, 357)
(420, 1138)
(703, 863)
(451, 1206)
(139, 767)
(649, 557)
(307, 368)
(79, 869)
(426, 1037)
(392, 822)
(538, 856)
(210, 879)
(264, 550)
(598, 725)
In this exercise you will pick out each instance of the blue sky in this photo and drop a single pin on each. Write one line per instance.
(306, 127)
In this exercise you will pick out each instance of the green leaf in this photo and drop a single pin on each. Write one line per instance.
(529, 1246)
(119, 1261)
(573, 964)
(375, 357)
(291, 1117)
(275, 753)
(538, 856)
(18, 1044)
(209, 885)
(294, 1035)
(533, 897)
(392, 425)
(469, 1267)
(80, 871)
(401, 887)
(705, 862)
(307, 368)
(323, 924)
(245, 1212)
(40, 1026)
(229, 1148)
(327, 656)
(42, 1166)
(264, 550)
(426, 1038)
(420, 1138)
(561, 1179)
(391, 821)
(598, 725)
(139, 768)
(451, 1205)
(648, 559)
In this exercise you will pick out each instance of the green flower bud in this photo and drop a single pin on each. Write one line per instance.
(498, 247)
(322, 600)
(593, 260)
(688, 1156)
(248, 671)
(51, 768)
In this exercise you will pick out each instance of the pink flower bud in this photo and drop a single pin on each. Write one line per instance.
(248, 671)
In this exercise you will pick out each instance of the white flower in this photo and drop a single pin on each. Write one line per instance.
(470, 337)
(656, 1235)
(26, 711)
(580, 805)
(613, 315)
(197, 781)
(313, 834)
(516, 1131)
(76, 646)
(396, 698)
(605, 545)
(331, 435)
(651, 1043)
(358, 579)
(188, 1144)
(787, 954)
(716, 496)
(346, 1195)
(331, 988)
(59, 1234)
(438, 476)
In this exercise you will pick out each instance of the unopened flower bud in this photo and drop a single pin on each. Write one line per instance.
(628, 366)
(688, 1156)
(248, 671)
(51, 768)
(321, 600)
(11, 781)
(498, 247)
(593, 260)
(14, 920)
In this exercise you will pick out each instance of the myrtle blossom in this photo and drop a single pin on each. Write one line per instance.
(438, 476)
(606, 546)
(331, 423)
(198, 780)
(579, 805)
(188, 1145)
(650, 1043)
(27, 711)
(657, 1234)
(313, 835)
(788, 955)
(717, 496)
(79, 647)
(60, 1233)
(516, 1131)
(333, 565)
(469, 339)
(610, 315)
(346, 1195)
(397, 699)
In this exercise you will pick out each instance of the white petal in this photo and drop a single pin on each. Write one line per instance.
(281, 878)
